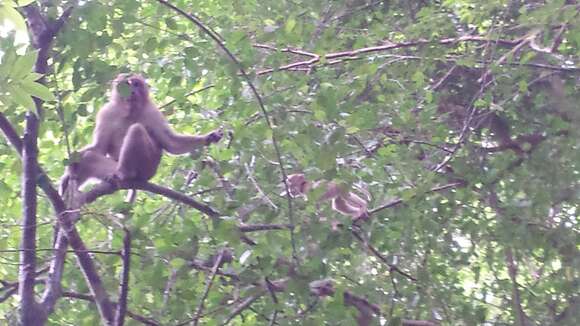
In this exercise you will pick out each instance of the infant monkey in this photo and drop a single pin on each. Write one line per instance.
(130, 136)
(345, 202)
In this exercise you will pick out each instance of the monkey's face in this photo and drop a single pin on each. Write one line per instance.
(131, 88)
(139, 90)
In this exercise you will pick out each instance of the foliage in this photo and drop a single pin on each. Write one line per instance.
(478, 95)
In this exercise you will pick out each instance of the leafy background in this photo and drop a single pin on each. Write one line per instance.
(493, 112)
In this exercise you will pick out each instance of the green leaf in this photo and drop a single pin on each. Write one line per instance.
(177, 263)
(290, 24)
(5, 189)
(38, 90)
(150, 44)
(13, 16)
(24, 65)
(20, 97)
(22, 3)
(170, 22)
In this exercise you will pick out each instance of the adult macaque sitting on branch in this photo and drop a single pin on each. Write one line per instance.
(129, 137)
(344, 202)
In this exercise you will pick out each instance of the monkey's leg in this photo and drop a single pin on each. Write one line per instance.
(91, 165)
(140, 155)
(94, 165)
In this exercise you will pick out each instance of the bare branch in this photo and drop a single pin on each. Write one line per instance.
(263, 227)
(380, 256)
(389, 46)
(105, 188)
(53, 288)
(398, 201)
(10, 134)
(124, 284)
(208, 284)
(522, 319)
(411, 322)
(243, 306)
(186, 96)
(259, 189)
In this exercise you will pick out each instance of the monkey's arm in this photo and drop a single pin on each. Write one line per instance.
(102, 133)
(176, 143)
(92, 161)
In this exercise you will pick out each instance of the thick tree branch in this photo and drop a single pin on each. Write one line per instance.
(53, 288)
(42, 36)
(52, 291)
(29, 310)
(105, 188)
(10, 134)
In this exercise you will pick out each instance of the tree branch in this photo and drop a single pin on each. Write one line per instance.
(398, 201)
(354, 54)
(208, 284)
(105, 188)
(134, 316)
(42, 34)
(124, 284)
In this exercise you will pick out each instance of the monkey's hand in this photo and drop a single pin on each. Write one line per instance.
(214, 136)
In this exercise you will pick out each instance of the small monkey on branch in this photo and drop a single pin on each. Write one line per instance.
(129, 137)
(345, 202)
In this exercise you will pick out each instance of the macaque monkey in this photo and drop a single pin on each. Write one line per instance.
(129, 137)
(346, 203)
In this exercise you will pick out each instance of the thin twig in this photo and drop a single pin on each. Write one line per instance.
(380, 256)
(398, 201)
(60, 113)
(390, 46)
(124, 284)
(258, 188)
(263, 227)
(186, 96)
(208, 284)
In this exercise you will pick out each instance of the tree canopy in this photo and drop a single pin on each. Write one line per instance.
(455, 120)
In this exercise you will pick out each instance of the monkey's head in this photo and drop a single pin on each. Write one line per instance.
(131, 88)
(297, 184)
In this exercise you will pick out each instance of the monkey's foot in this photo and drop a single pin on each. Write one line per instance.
(113, 179)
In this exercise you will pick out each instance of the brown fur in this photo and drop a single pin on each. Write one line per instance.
(344, 202)
(129, 138)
